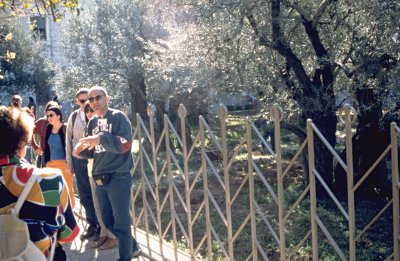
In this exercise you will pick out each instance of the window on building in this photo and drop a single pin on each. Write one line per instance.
(39, 26)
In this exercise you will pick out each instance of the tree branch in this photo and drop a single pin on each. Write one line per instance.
(262, 39)
(119, 74)
(130, 79)
(349, 73)
(294, 129)
(320, 12)
(296, 7)
(284, 49)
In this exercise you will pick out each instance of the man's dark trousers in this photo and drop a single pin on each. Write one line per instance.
(84, 190)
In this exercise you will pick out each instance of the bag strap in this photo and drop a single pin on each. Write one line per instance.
(24, 194)
(52, 250)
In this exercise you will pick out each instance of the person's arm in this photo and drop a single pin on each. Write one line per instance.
(34, 145)
(119, 142)
(68, 143)
(82, 149)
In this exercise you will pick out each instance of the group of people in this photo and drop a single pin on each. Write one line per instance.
(95, 147)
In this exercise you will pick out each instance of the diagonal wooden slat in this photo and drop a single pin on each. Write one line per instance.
(239, 189)
(374, 165)
(296, 156)
(327, 189)
(295, 204)
(240, 228)
(329, 147)
(330, 238)
(265, 219)
(264, 180)
(377, 216)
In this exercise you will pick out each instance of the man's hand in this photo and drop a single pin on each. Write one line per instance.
(91, 141)
(39, 151)
(79, 148)
(86, 143)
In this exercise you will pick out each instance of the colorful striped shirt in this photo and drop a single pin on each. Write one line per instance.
(47, 208)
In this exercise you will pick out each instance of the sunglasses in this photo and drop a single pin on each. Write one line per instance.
(50, 115)
(82, 101)
(97, 98)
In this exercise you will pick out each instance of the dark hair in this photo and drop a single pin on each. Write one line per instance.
(15, 125)
(87, 109)
(56, 110)
(55, 98)
(82, 91)
(32, 105)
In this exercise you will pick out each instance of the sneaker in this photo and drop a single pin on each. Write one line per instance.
(136, 253)
(91, 232)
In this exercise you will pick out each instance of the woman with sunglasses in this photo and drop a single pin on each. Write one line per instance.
(54, 149)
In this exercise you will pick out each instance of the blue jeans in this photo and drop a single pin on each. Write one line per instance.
(28, 155)
(84, 190)
(115, 200)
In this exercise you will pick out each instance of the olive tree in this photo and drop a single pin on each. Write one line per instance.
(310, 55)
(107, 45)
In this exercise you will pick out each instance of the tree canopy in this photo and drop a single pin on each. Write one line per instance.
(24, 65)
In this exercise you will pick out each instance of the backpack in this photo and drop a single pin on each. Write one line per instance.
(15, 243)
(74, 114)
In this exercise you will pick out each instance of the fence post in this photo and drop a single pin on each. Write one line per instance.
(142, 179)
(170, 188)
(277, 116)
(182, 114)
(350, 183)
(222, 113)
(395, 188)
(150, 113)
(251, 189)
(205, 187)
(313, 192)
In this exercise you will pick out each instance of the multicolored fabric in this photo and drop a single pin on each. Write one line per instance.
(47, 208)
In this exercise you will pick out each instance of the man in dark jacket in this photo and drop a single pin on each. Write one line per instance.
(109, 141)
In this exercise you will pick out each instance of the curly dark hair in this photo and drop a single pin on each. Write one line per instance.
(15, 129)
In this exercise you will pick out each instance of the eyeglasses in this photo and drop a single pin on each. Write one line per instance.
(97, 98)
(50, 115)
(82, 101)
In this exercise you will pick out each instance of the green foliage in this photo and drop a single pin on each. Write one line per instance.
(55, 8)
(108, 46)
(29, 70)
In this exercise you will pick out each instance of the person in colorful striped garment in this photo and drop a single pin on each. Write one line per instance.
(47, 208)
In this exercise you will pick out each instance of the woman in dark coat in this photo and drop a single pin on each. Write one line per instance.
(54, 149)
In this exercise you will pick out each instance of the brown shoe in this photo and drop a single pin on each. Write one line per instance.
(109, 244)
(99, 242)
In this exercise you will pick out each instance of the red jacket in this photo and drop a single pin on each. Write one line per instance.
(40, 130)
